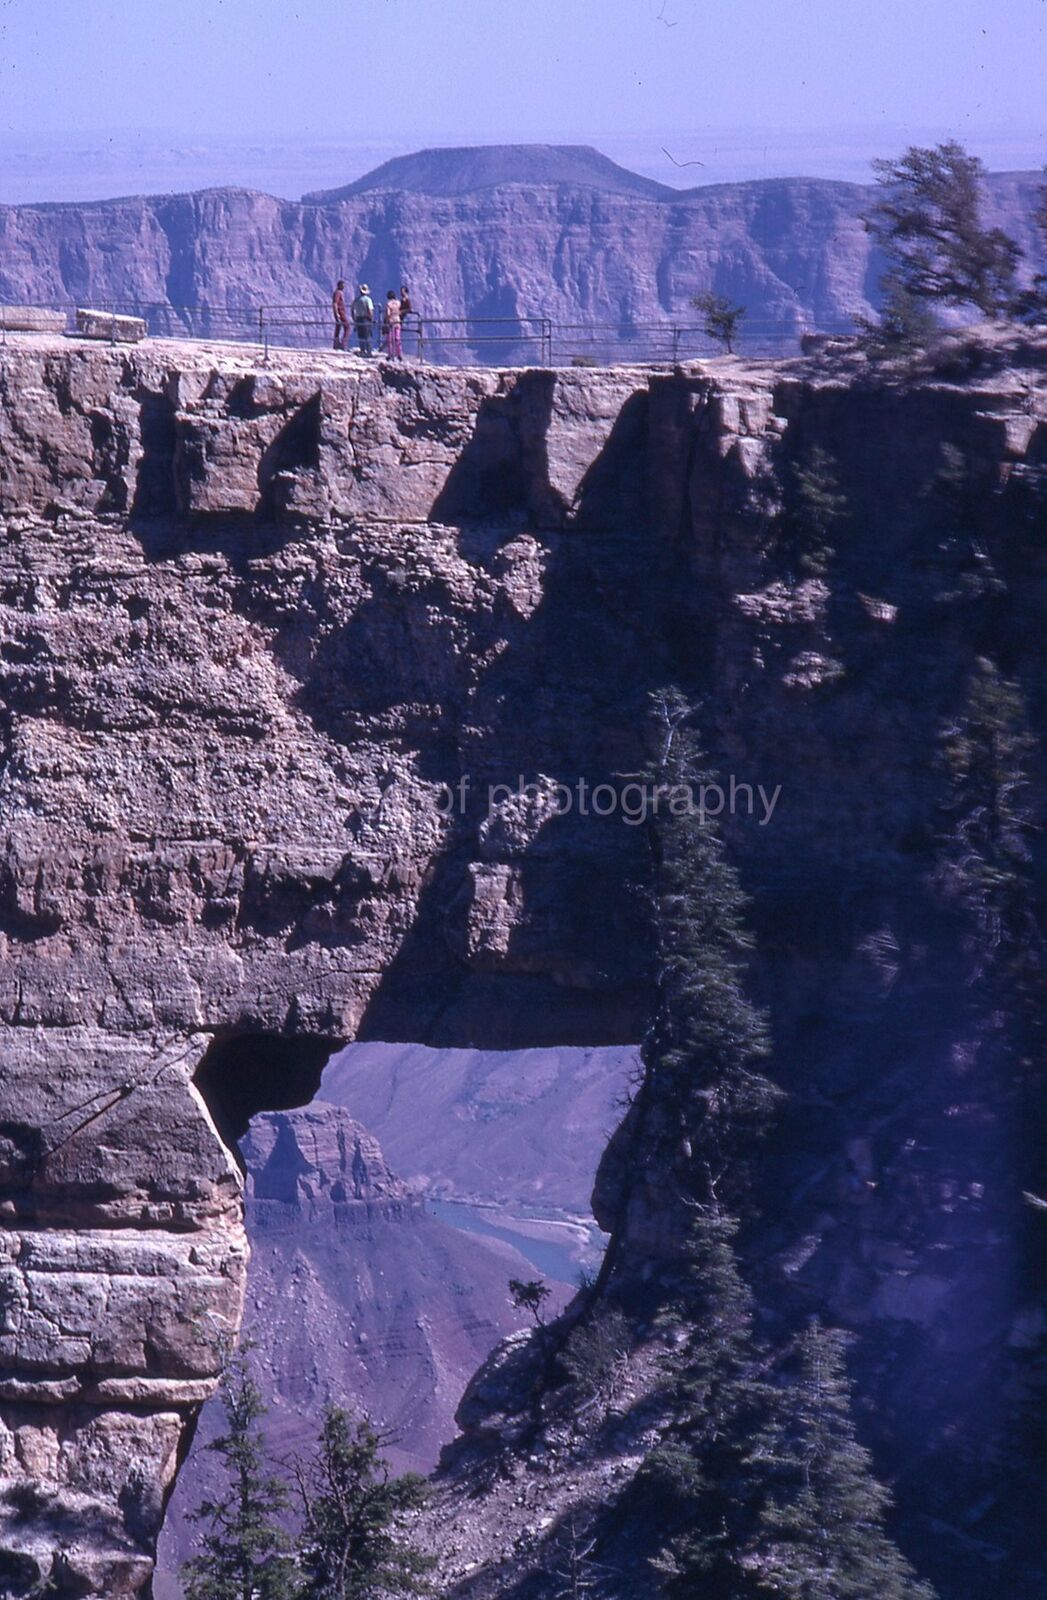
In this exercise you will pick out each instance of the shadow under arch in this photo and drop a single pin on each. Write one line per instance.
(242, 1074)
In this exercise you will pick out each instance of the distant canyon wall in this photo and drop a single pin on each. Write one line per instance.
(793, 251)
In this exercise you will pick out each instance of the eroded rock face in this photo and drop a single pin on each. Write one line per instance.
(121, 1283)
(259, 626)
(794, 251)
(256, 625)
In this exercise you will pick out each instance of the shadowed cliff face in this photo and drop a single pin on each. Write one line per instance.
(254, 622)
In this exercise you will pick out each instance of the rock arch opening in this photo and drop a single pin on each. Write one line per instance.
(391, 1191)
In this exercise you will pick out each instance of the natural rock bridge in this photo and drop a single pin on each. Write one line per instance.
(252, 624)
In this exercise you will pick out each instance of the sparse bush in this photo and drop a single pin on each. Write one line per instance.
(585, 1278)
(595, 1350)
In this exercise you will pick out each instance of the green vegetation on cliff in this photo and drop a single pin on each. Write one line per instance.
(760, 1485)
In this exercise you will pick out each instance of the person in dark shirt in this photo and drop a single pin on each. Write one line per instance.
(363, 317)
(341, 316)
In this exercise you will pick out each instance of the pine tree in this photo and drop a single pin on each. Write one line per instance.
(816, 511)
(700, 1479)
(928, 223)
(701, 1052)
(763, 1489)
(986, 812)
(244, 1551)
(820, 1532)
(751, 1488)
(906, 324)
(967, 571)
(721, 319)
(353, 1513)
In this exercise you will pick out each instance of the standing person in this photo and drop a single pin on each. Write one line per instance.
(406, 308)
(341, 316)
(391, 327)
(363, 318)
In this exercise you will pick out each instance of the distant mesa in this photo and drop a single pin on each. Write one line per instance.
(466, 168)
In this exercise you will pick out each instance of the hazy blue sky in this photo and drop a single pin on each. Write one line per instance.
(394, 74)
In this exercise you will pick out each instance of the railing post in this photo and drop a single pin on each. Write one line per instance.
(263, 329)
(421, 339)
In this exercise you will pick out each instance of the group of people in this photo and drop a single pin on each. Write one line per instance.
(361, 317)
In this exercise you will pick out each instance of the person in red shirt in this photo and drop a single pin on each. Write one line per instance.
(341, 316)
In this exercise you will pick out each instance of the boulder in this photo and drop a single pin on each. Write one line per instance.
(109, 325)
(31, 319)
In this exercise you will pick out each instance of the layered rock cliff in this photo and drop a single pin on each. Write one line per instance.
(514, 232)
(257, 628)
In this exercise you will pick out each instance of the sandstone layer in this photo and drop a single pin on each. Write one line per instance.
(257, 623)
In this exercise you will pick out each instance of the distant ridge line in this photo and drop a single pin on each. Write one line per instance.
(463, 169)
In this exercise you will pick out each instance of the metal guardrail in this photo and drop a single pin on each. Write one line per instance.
(467, 340)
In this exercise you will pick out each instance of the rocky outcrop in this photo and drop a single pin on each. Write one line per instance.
(315, 1159)
(254, 622)
(267, 636)
(897, 1196)
(502, 232)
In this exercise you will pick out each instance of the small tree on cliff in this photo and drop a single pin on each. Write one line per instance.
(244, 1551)
(353, 1512)
(529, 1294)
(985, 870)
(748, 1490)
(816, 512)
(721, 319)
(764, 1489)
(699, 1480)
(928, 223)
